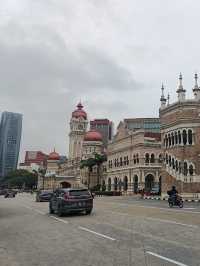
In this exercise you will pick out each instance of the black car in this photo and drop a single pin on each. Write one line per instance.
(10, 194)
(68, 200)
(44, 195)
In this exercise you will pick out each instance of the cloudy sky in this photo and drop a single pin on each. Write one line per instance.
(111, 54)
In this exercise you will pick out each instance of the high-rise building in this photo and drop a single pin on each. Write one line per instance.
(105, 127)
(10, 137)
(151, 124)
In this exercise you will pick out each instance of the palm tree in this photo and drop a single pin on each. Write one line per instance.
(99, 160)
(89, 163)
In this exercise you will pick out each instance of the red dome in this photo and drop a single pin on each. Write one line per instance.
(93, 135)
(79, 112)
(54, 156)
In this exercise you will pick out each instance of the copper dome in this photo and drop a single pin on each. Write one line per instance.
(93, 135)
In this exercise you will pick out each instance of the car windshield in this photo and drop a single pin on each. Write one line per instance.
(79, 193)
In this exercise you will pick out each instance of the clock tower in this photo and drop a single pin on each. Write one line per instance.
(78, 128)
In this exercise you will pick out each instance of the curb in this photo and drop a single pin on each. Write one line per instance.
(158, 198)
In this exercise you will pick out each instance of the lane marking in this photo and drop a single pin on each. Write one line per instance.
(58, 219)
(172, 222)
(183, 210)
(27, 207)
(166, 259)
(32, 209)
(40, 212)
(98, 234)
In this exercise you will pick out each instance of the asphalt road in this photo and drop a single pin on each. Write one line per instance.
(120, 231)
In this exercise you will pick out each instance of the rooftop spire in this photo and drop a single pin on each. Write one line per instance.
(196, 89)
(162, 98)
(168, 97)
(180, 90)
(180, 86)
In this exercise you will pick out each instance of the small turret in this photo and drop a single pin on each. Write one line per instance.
(180, 90)
(162, 98)
(196, 89)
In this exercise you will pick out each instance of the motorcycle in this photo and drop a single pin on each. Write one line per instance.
(175, 201)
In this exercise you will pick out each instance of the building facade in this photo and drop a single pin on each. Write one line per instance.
(105, 127)
(134, 160)
(10, 137)
(180, 134)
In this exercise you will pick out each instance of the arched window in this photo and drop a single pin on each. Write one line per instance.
(152, 160)
(115, 163)
(137, 158)
(166, 141)
(185, 168)
(121, 162)
(134, 159)
(184, 137)
(191, 170)
(160, 158)
(173, 163)
(109, 184)
(179, 137)
(170, 161)
(179, 167)
(190, 136)
(120, 185)
(125, 160)
(166, 156)
(176, 165)
(172, 139)
(125, 183)
(146, 158)
(176, 138)
(169, 137)
(115, 183)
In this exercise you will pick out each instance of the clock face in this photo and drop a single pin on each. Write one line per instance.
(80, 127)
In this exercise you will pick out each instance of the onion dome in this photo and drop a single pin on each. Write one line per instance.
(93, 135)
(54, 156)
(79, 112)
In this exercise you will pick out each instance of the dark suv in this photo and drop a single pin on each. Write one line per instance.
(68, 200)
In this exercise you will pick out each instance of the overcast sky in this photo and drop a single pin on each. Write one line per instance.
(111, 54)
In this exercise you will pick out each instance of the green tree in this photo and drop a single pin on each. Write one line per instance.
(89, 163)
(99, 160)
(21, 178)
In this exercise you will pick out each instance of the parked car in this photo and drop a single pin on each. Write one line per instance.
(155, 191)
(10, 194)
(68, 200)
(43, 195)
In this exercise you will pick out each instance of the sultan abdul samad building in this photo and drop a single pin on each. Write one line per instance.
(144, 153)
(83, 144)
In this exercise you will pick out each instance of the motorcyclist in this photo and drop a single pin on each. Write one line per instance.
(174, 194)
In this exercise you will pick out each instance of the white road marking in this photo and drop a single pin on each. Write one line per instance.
(58, 219)
(32, 209)
(166, 259)
(98, 234)
(171, 222)
(27, 207)
(40, 212)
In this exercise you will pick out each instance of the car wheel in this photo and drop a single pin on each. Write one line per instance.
(51, 211)
(180, 205)
(87, 212)
(59, 212)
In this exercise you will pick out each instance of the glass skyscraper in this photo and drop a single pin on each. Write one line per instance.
(10, 137)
